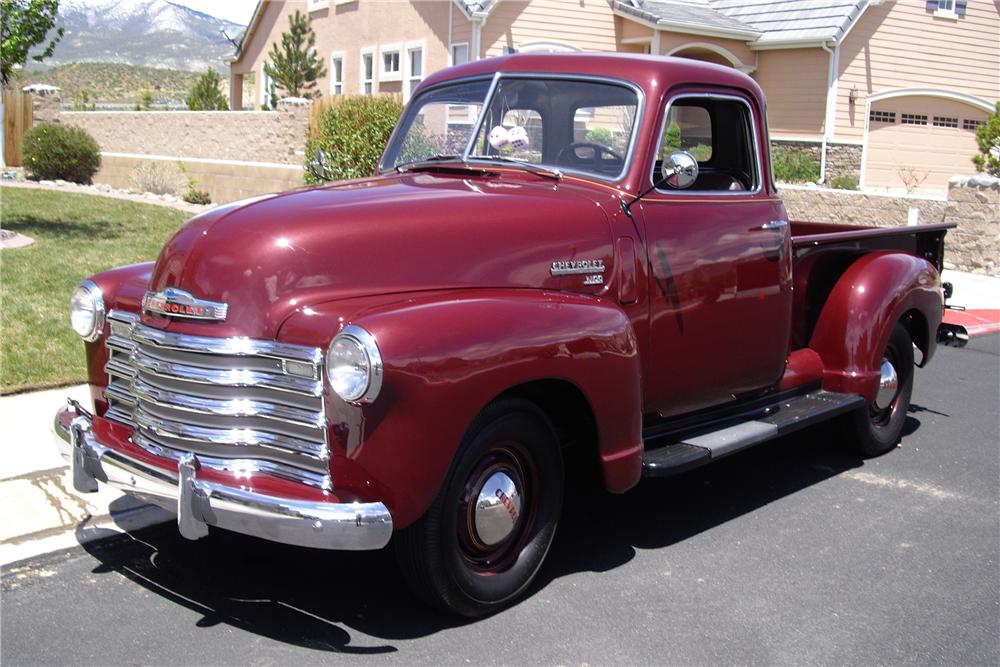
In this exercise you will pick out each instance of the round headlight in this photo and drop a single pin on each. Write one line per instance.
(86, 311)
(354, 365)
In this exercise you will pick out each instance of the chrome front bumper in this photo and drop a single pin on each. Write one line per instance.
(200, 503)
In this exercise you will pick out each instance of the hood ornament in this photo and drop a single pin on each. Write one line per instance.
(174, 302)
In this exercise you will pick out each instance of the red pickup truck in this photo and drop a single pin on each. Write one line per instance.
(561, 255)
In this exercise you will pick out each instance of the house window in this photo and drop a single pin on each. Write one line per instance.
(267, 92)
(913, 119)
(390, 64)
(945, 121)
(367, 72)
(882, 116)
(459, 53)
(969, 124)
(948, 9)
(337, 74)
(415, 57)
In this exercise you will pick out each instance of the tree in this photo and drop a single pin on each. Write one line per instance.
(988, 138)
(146, 100)
(294, 67)
(206, 94)
(25, 23)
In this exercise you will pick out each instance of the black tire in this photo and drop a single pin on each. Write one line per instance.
(873, 430)
(442, 557)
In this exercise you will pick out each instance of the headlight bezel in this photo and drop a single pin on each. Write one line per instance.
(365, 342)
(96, 297)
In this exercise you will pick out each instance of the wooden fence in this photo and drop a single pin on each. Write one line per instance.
(17, 119)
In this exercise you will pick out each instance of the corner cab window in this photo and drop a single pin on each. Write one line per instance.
(580, 126)
(718, 132)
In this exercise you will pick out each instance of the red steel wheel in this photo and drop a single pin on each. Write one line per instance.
(483, 540)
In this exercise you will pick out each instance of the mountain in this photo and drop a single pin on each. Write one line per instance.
(150, 33)
(116, 83)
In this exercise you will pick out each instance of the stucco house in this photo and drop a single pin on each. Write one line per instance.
(887, 91)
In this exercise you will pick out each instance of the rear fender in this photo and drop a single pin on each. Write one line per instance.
(874, 293)
(447, 356)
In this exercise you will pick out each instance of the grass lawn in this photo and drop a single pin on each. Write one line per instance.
(75, 236)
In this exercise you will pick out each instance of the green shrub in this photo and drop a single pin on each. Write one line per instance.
(844, 182)
(600, 135)
(195, 196)
(62, 152)
(791, 166)
(352, 131)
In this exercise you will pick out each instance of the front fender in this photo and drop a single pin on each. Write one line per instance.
(853, 328)
(446, 356)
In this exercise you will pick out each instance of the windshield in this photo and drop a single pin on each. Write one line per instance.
(560, 124)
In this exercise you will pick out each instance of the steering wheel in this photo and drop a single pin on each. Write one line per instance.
(598, 149)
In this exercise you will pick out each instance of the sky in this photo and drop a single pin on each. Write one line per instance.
(237, 11)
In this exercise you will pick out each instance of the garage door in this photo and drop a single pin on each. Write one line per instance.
(919, 142)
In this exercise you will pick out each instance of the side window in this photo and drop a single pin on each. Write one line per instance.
(718, 132)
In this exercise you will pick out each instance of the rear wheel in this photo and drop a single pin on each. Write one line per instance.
(876, 428)
(484, 538)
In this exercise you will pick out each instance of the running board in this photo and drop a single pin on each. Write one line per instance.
(782, 418)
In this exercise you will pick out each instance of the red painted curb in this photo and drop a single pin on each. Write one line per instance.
(976, 322)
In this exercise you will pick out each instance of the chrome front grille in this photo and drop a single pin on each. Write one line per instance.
(240, 404)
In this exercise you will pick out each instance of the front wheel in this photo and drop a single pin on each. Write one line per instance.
(480, 544)
(877, 427)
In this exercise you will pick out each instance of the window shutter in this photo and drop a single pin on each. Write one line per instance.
(932, 5)
(960, 6)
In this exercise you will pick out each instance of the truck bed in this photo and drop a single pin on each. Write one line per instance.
(925, 241)
(823, 251)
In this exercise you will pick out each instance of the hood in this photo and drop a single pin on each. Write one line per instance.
(270, 257)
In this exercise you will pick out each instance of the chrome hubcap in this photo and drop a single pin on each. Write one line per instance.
(888, 385)
(498, 508)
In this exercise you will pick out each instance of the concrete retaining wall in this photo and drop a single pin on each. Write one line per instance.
(253, 136)
(973, 203)
(224, 181)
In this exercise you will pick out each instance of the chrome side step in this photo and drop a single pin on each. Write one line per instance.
(782, 418)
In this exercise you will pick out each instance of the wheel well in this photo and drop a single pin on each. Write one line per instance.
(570, 413)
(916, 325)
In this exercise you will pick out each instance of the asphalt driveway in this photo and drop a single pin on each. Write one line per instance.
(796, 552)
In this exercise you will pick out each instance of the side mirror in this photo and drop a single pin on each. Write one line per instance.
(679, 170)
(318, 166)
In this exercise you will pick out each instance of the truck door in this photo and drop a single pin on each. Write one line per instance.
(720, 270)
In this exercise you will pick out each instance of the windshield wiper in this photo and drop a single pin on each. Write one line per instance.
(527, 166)
(427, 161)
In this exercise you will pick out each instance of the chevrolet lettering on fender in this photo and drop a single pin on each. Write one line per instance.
(414, 358)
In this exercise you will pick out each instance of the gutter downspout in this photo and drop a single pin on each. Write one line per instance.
(478, 21)
(830, 117)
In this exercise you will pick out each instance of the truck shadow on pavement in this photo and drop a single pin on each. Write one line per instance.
(313, 598)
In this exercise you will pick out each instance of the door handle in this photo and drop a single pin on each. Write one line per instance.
(775, 224)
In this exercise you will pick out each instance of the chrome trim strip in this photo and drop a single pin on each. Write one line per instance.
(237, 407)
(713, 193)
(234, 377)
(238, 465)
(237, 346)
(237, 437)
(198, 503)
